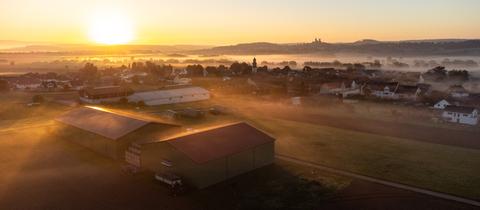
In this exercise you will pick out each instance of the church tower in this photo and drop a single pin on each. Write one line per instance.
(254, 65)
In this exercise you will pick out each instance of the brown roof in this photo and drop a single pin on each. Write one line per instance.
(332, 85)
(380, 85)
(407, 89)
(460, 109)
(457, 88)
(220, 142)
(101, 122)
(92, 91)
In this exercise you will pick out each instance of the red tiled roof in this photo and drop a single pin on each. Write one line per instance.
(220, 142)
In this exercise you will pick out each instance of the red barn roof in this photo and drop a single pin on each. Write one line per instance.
(219, 142)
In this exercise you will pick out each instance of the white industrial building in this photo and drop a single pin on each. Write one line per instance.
(170, 96)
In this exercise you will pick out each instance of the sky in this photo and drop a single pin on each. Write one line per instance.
(218, 22)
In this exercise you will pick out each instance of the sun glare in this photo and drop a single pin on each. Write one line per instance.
(111, 29)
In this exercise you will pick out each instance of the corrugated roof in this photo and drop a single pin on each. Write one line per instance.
(220, 142)
(103, 123)
(171, 93)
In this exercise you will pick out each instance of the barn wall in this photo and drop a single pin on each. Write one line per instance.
(240, 163)
(264, 155)
(206, 174)
(149, 132)
(96, 143)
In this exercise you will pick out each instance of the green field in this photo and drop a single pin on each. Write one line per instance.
(437, 167)
(442, 168)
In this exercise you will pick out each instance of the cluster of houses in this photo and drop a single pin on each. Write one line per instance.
(407, 87)
(454, 112)
(404, 87)
(455, 108)
(378, 89)
(43, 82)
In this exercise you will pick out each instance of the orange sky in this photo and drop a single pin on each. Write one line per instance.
(228, 22)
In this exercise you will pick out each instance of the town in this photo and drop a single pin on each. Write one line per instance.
(199, 129)
(444, 96)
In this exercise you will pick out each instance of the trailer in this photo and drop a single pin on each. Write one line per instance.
(173, 181)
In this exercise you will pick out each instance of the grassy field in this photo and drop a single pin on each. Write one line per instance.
(14, 111)
(437, 167)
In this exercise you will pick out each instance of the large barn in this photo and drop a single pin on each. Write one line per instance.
(170, 96)
(108, 133)
(113, 94)
(207, 157)
(201, 158)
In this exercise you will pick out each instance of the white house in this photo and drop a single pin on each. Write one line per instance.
(408, 92)
(170, 96)
(27, 83)
(458, 91)
(384, 90)
(182, 81)
(461, 114)
(338, 88)
(332, 88)
(441, 104)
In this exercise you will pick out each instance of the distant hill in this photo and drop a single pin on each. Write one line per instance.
(8, 44)
(100, 49)
(434, 47)
(447, 47)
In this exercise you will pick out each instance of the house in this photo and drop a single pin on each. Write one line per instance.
(182, 81)
(332, 88)
(441, 104)
(205, 157)
(340, 88)
(408, 92)
(105, 94)
(383, 90)
(108, 133)
(296, 101)
(170, 96)
(461, 114)
(458, 91)
(27, 83)
(425, 89)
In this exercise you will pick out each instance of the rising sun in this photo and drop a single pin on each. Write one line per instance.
(111, 29)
